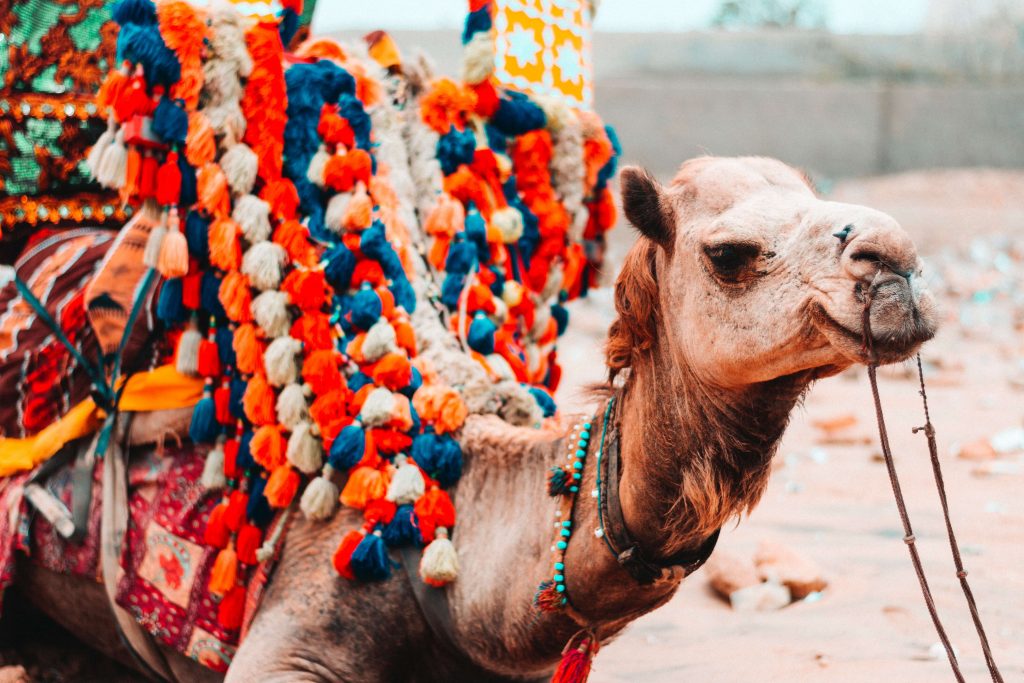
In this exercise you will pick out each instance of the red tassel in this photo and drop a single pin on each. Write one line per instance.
(576, 659)
(147, 177)
(249, 540)
(217, 533)
(380, 511)
(234, 515)
(190, 289)
(222, 405)
(168, 180)
(342, 559)
(231, 608)
(231, 470)
(209, 358)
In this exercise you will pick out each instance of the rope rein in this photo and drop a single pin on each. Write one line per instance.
(901, 506)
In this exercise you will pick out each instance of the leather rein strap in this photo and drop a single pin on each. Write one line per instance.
(615, 532)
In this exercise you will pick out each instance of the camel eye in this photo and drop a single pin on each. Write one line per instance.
(730, 260)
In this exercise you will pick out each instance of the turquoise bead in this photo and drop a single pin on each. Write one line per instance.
(582, 443)
(577, 475)
(565, 533)
(559, 578)
(559, 566)
(586, 425)
(574, 489)
(560, 588)
(564, 602)
(562, 545)
(577, 465)
(566, 523)
(584, 435)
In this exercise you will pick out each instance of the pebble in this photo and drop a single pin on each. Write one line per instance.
(728, 573)
(776, 562)
(763, 597)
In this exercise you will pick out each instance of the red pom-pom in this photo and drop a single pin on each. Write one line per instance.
(148, 169)
(436, 505)
(380, 511)
(217, 533)
(391, 441)
(190, 288)
(486, 99)
(307, 288)
(250, 537)
(282, 197)
(231, 470)
(234, 516)
(314, 331)
(232, 608)
(392, 371)
(209, 359)
(168, 180)
(222, 404)
(320, 371)
(342, 559)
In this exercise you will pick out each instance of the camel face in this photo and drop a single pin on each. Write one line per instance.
(757, 278)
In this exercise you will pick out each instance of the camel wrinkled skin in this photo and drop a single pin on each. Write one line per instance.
(716, 361)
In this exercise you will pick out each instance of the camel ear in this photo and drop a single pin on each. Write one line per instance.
(646, 205)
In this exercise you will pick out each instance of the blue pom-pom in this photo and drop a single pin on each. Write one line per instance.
(134, 12)
(288, 24)
(169, 307)
(245, 460)
(197, 232)
(348, 448)
(403, 529)
(258, 509)
(531, 232)
(349, 107)
(374, 244)
(370, 560)
(455, 148)
(405, 295)
(461, 257)
(498, 286)
(476, 22)
(607, 171)
(496, 140)
(143, 45)
(170, 122)
(235, 397)
(476, 233)
(417, 425)
(544, 400)
(366, 308)
(224, 339)
(204, 427)
(561, 315)
(517, 114)
(481, 335)
(188, 194)
(209, 295)
(439, 455)
(415, 382)
(341, 263)
(358, 380)
(451, 289)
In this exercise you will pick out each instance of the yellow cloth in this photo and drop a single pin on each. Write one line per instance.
(161, 389)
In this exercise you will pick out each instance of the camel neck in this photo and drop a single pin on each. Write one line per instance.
(694, 455)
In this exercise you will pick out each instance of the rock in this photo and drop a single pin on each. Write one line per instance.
(776, 562)
(977, 450)
(14, 674)
(728, 573)
(763, 597)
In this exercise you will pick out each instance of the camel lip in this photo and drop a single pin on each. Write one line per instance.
(887, 351)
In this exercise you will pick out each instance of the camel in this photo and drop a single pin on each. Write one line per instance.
(742, 289)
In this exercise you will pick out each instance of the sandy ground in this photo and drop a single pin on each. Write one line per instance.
(832, 502)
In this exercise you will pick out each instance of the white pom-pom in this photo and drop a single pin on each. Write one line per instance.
(281, 361)
(92, 160)
(509, 223)
(380, 339)
(262, 262)
(291, 406)
(270, 310)
(478, 58)
(239, 165)
(440, 562)
(407, 485)
(377, 408)
(304, 451)
(155, 241)
(334, 218)
(186, 360)
(213, 477)
(315, 171)
(253, 215)
(320, 498)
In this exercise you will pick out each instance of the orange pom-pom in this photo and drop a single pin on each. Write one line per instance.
(446, 104)
(333, 129)
(212, 185)
(268, 447)
(111, 89)
(392, 371)
(320, 371)
(258, 401)
(236, 297)
(225, 249)
(217, 533)
(328, 411)
(337, 174)
(440, 405)
(466, 187)
(234, 515)
(232, 608)
(447, 218)
(401, 415)
(307, 288)
(387, 302)
(342, 558)
(360, 166)
(322, 48)
(282, 486)
(391, 441)
(436, 505)
(293, 236)
(224, 575)
(200, 144)
(313, 329)
(248, 349)
(405, 336)
(359, 211)
(364, 484)
(282, 197)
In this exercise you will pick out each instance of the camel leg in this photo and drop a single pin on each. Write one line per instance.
(81, 606)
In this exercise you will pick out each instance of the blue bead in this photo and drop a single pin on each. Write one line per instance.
(578, 465)
(559, 578)
(582, 443)
(565, 533)
(560, 588)
(577, 475)
(566, 523)
(574, 489)
(584, 435)
(564, 602)
(559, 565)
(586, 425)
(562, 545)
(581, 453)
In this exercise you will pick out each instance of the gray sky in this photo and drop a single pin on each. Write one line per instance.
(843, 16)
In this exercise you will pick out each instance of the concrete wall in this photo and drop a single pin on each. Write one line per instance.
(839, 106)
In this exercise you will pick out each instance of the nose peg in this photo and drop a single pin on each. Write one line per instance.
(841, 235)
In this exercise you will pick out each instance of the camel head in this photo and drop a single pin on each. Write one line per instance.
(745, 275)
